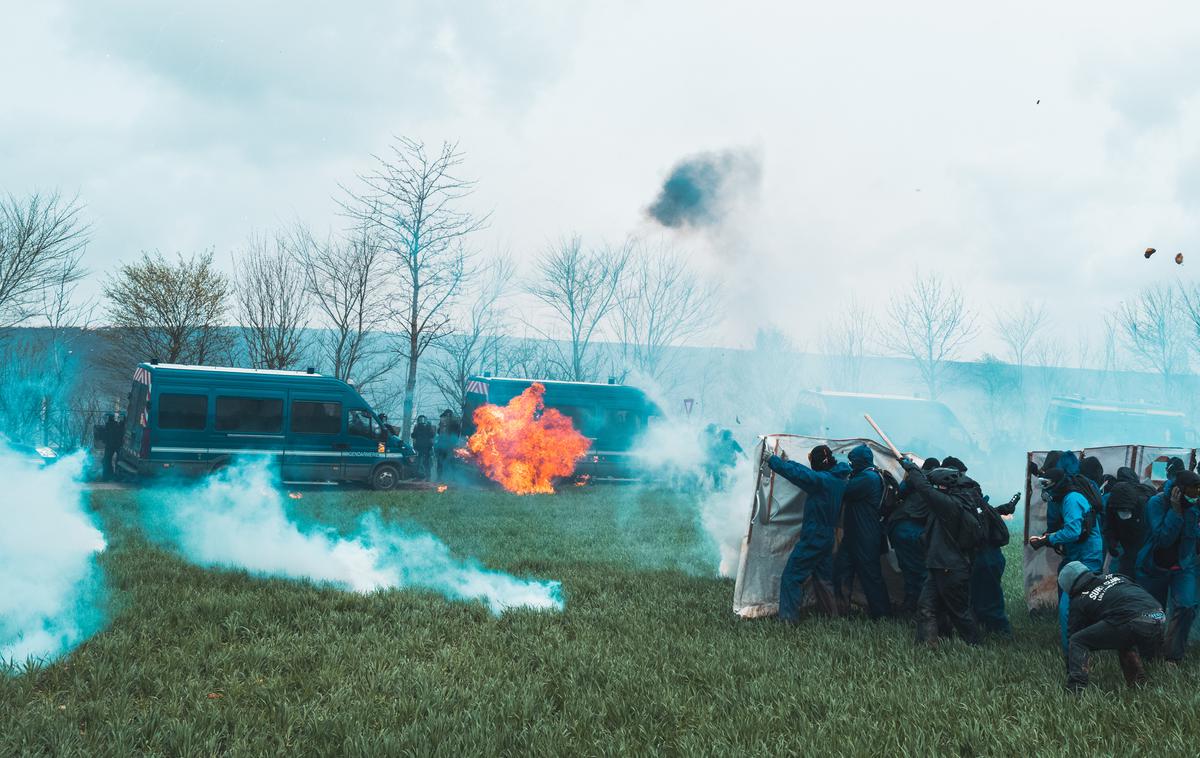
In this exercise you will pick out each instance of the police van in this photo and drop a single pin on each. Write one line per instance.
(196, 419)
(612, 416)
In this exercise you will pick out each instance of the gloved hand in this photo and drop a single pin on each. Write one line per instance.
(907, 464)
(1177, 500)
(1010, 507)
(1038, 542)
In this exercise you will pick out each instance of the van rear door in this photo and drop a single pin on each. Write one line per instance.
(315, 439)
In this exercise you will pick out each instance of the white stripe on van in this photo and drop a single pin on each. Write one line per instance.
(256, 451)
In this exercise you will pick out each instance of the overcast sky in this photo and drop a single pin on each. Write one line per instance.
(892, 136)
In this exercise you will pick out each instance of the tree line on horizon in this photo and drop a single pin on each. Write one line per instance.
(402, 290)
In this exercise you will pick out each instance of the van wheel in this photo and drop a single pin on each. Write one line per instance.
(385, 478)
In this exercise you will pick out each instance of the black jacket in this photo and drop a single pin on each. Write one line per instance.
(953, 530)
(1107, 597)
(1125, 512)
(422, 435)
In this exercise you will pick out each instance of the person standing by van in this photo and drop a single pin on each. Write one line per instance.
(448, 431)
(422, 438)
(114, 435)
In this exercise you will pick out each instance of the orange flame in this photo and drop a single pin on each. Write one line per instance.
(582, 481)
(441, 488)
(522, 450)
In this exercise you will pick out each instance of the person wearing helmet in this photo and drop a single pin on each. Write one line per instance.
(1109, 612)
(824, 482)
(951, 538)
(1167, 564)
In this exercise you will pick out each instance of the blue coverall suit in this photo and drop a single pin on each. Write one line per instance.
(987, 589)
(813, 554)
(862, 535)
(907, 533)
(1167, 567)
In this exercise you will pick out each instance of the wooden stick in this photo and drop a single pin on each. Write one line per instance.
(879, 431)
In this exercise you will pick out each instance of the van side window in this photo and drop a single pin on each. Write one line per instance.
(250, 414)
(312, 417)
(182, 411)
(362, 424)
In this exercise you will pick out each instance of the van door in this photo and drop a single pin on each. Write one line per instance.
(315, 442)
(365, 447)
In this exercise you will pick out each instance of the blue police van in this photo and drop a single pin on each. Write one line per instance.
(196, 419)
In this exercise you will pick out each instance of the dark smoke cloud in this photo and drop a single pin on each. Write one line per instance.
(701, 189)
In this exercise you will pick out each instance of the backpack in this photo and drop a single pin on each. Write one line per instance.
(889, 499)
(970, 533)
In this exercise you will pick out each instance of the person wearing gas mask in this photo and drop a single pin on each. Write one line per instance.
(1124, 529)
(1109, 612)
(824, 482)
(862, 537)
(951, 538)
(1072, 531)
(1167, 565)
(906, 531)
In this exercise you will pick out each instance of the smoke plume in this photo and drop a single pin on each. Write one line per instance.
(238, 519)
(51, 589)
(702, 189)
(679, 453)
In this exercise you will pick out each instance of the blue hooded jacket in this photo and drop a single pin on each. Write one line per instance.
(825, 489)
(1066, 516)
(1166, 529)
(864, 490)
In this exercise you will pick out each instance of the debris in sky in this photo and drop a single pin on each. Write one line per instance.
(1150, 251)
(1179, 258)
(1039, 102)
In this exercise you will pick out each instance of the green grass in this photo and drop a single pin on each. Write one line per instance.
(646, 658)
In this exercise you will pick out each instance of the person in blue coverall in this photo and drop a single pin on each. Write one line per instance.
(862, 535)
(906, 530)
(1072, 528)
(812, 557)
(1167, 565)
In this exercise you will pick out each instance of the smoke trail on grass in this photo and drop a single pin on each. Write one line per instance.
(239, 519)
(51, 589)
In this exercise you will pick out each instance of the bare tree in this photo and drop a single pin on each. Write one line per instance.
(347, 281)
(663, 304)
(527, 356)
(477, 339)
(845, 342)
(930, 323)
(410, 202)
(170, 311)
(41, 378)
(581, 288)
(1153, 327)
(273, 305)
(1018, 329)
(41, 241)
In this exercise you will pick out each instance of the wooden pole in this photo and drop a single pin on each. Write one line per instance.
(879, 431)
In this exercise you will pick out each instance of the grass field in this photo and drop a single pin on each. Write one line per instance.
(646, 658)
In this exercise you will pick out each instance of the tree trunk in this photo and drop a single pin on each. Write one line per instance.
(410, 387)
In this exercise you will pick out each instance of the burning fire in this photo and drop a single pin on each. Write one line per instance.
(522, 450)
(441, 488)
